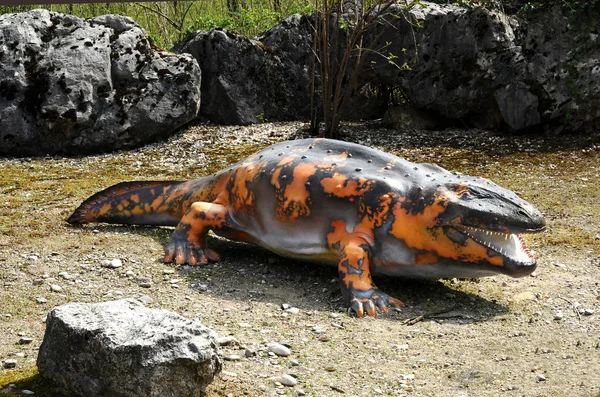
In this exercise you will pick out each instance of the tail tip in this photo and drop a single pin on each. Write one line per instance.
(77, 218)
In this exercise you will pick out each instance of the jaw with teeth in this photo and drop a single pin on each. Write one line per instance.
(508, 245)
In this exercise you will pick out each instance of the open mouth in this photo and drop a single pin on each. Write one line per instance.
(508, 245)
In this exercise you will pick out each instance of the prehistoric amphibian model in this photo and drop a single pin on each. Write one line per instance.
(334, 202)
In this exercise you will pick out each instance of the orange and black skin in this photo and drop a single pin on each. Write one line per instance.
(334, 202)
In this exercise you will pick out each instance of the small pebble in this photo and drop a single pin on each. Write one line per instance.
(541, 378)
(168, 271)
(55, 288)
(324, 338)
(25, 341)
(293, 310)
(232, 357)
(558, 315)
(145, 284)
(279, 349)
(111, 263)
(587, 312)
(65, 275)
(330, 368)
(287, 380)
(10, 363)
(41, 300)
(27, 392)
(145, 299)
(285, 306)
(229, 374)
(116, 263)
(227, 341)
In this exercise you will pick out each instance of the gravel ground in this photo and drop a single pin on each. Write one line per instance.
(283, 327)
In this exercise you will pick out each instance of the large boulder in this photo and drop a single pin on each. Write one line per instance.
(450, 61)
(472, 66)
(247, 81)
(491, 70)
(121, 348)
(69, 85)
(562, 56)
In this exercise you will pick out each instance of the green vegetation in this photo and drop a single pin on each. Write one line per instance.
(170, 21)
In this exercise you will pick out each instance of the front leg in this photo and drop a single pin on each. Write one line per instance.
(188, 241)
(358, 289)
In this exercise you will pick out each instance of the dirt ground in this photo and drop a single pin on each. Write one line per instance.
(497, 336)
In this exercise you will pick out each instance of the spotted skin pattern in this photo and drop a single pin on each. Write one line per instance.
(365, 211)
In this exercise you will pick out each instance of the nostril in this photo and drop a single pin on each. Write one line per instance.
(522, 212)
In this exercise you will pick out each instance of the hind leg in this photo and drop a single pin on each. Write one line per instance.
(188, 241)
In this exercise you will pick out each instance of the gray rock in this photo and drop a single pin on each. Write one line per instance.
(9, 363)
(69, 85)
(490, 70)
(269, 78)
(247, 81)
(541, 378)
(227, 341)
(122, 348)
(112, 263)
(518, 106)
(461, 58)
(287, 380)
(279, 349)
(470, 65)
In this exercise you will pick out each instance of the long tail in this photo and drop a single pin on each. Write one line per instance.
(145, 203)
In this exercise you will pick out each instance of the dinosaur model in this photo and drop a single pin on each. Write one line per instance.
(339, 203)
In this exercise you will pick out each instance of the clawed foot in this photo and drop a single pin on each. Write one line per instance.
(371, 300)
(183, 252)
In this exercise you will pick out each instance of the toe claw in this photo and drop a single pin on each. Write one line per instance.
(192, 260)
(381, 305)
(370, 307)
(212, 255)
(397, 303)
(357, 307)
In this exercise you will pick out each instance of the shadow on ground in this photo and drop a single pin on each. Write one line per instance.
(248, 273)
